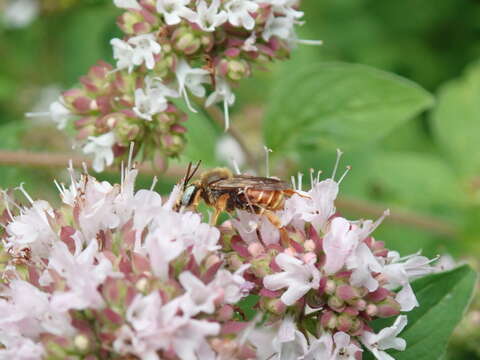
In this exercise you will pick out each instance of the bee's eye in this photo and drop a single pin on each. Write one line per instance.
(188, 196)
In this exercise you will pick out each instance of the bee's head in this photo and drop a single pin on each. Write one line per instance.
(189, 190)
(189, 195)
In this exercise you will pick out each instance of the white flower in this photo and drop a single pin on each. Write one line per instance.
(328, 348)
(153, 99)
(101, 148)
(298, 277)
(400, 271)
(386, 339)
(136, 51)
(239, 13)
(289, 343)
(247, 225)
(83, 272)
(143, 312)
(174, 10)
(123, 53)
(208, 18)
(60, 114)
(191, 79)
(19, 348)
(224, 93)
(316, 206)
(20, 13)
(229, 150)
(234, 286)
(363, 263)
(127, 4)
(281, 27)
(198, 297)
(28, 311)
(32, 228)
(145, 47)
(338, 244)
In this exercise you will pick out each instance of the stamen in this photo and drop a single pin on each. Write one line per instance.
(7, 199)
(122, 175)
(227, 115)
(311, 177)
(339, 155)
(300, 182)
(21, 188)
(130, 156)
(235, 166)
(318, 175)
(85, 167)
(154, 182)
(38, 114)
(267, 161)
(294, 185)
(187, 101)
(344, 174)
(310, 42)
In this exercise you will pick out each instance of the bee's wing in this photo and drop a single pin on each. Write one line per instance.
(251, 182)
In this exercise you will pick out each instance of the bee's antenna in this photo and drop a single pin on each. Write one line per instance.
(195, 170)
(187, 174)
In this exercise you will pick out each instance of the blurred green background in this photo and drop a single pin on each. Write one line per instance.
(425, 168)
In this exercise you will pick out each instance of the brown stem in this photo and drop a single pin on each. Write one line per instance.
(56, 160)
(364, 208)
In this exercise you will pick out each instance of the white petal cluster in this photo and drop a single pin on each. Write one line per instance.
(136, 51)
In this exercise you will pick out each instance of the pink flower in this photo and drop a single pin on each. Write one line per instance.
(298, 277)
(338, 244)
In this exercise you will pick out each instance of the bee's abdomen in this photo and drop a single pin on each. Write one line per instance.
(267, 199)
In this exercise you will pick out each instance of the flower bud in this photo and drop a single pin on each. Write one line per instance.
(330, 287)
(81, 342)
(336, 303)
(275, 306)
(315, 300)
(185, 41)
(371, 310)
(388, 307)
(346, 292)
(328, 320)
(344, 323)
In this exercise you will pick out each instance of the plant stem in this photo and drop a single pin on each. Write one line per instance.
(347, 204)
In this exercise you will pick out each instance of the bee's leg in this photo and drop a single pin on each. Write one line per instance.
(220, 206)
(274, 219)
(290, 193)
(245, 191)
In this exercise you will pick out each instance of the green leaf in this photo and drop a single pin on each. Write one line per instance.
(443, 299)
(456, 121)
(339, 105)
(202, 136)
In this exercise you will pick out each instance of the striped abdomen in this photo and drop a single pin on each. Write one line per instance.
(266, 199)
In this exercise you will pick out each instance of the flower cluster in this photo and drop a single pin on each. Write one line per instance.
(120, 273)
(113, 272)
(173, 49)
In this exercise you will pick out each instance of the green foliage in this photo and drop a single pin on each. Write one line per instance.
(339, 105)
(456, 121)
(443, 298)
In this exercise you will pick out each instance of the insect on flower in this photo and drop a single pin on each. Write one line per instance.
(225, 191)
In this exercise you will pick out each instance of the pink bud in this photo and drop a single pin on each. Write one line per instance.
(371, 310)
(344, 323)
(345, 292)
(388, 308)
(328, 320)
(378, 295)
(256, 249)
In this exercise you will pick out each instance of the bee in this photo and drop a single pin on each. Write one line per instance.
(225, 191)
